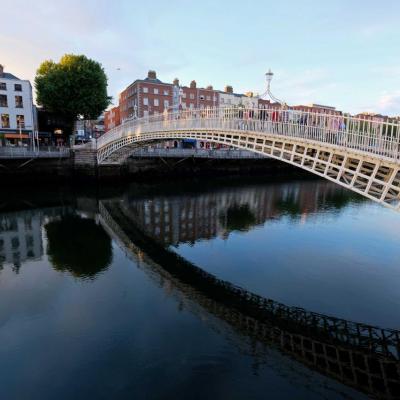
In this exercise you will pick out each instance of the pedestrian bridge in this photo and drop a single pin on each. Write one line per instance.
(360, 154)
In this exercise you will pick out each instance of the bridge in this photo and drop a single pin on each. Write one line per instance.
(360, 154)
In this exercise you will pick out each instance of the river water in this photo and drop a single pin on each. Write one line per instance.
(203, 290)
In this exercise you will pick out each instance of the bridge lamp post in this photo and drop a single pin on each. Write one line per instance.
(269, 75)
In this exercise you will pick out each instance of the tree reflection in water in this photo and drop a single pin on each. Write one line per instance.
(78, 245)
(238, 218)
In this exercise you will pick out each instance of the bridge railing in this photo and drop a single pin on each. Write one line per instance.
(7, 152)
(375, 137)
(196, 153)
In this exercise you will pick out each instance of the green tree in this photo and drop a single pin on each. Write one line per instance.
(74, 87)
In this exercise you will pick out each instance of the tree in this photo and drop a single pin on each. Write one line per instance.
(74, 87)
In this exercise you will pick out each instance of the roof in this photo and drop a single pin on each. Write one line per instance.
(154, 80)
(7, 75)
(148, 80)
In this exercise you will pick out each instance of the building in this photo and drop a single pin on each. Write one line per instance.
(52, 128)
(194, 97)
(151, 96)
(145, 97)
(317, 108)
(112, 118)
(228, 98)
(17, 122)
(372, 117)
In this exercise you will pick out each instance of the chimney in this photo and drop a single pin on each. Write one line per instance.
(176, 82)
(193, 85)
(152, 74)
(228, 89)
(209, 87)
(1, 70)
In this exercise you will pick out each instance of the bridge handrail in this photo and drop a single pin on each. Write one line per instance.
(375, 137)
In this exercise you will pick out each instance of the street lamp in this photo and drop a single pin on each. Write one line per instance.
(269, 75)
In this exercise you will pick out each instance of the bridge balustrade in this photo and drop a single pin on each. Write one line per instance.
(377, 138)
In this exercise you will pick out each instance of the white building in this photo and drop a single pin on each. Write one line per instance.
(229, 99)
(17, 121)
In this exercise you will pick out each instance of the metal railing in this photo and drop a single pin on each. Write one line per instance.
(42, 152)
(367, 135)
(196, 153)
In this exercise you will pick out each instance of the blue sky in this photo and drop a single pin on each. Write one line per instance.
(340, 53)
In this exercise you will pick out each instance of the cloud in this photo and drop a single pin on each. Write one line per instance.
(389, 103)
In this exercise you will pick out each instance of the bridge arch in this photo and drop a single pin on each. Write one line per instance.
(363, 156)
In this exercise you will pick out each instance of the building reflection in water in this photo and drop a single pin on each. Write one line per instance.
(75, 243)
(190, 217)
(20, 237)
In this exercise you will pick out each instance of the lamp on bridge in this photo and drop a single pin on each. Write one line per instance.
(269, 75)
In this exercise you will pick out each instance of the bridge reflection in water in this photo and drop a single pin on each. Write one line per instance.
(358, 355)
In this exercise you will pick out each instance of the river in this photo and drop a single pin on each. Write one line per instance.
(217, 289)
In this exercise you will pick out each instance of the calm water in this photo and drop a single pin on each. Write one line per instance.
(134, 295)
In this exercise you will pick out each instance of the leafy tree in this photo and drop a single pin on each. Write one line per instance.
(74, 87)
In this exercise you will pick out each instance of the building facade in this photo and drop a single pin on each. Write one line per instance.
(317, 108)
(145, 97)
(112, 118)
(17, 119)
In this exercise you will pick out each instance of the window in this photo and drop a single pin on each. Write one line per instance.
(3, 86)
(155, 91)
(18, 102)
(145, 113)
(184, 95)
(20, 121)
(183, 106)
(18, 87)
(14, 243)
(191, 105)
(192, 96)
(222, 100)
(156, 103)
(166, 103)
(5, 121)
(166, 93)
(145, 101)
(3, 100)
(145, 89)
(208, 98)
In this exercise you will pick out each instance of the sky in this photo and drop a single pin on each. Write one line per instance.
(340, 53)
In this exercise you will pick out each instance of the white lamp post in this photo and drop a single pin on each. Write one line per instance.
(269, 75)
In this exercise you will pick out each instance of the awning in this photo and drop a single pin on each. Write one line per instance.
(15, 135)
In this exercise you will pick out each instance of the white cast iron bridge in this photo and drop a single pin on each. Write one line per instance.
(360, 154)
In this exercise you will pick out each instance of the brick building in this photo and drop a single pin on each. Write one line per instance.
(194, 97)
(112, 118)
(145, 97)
